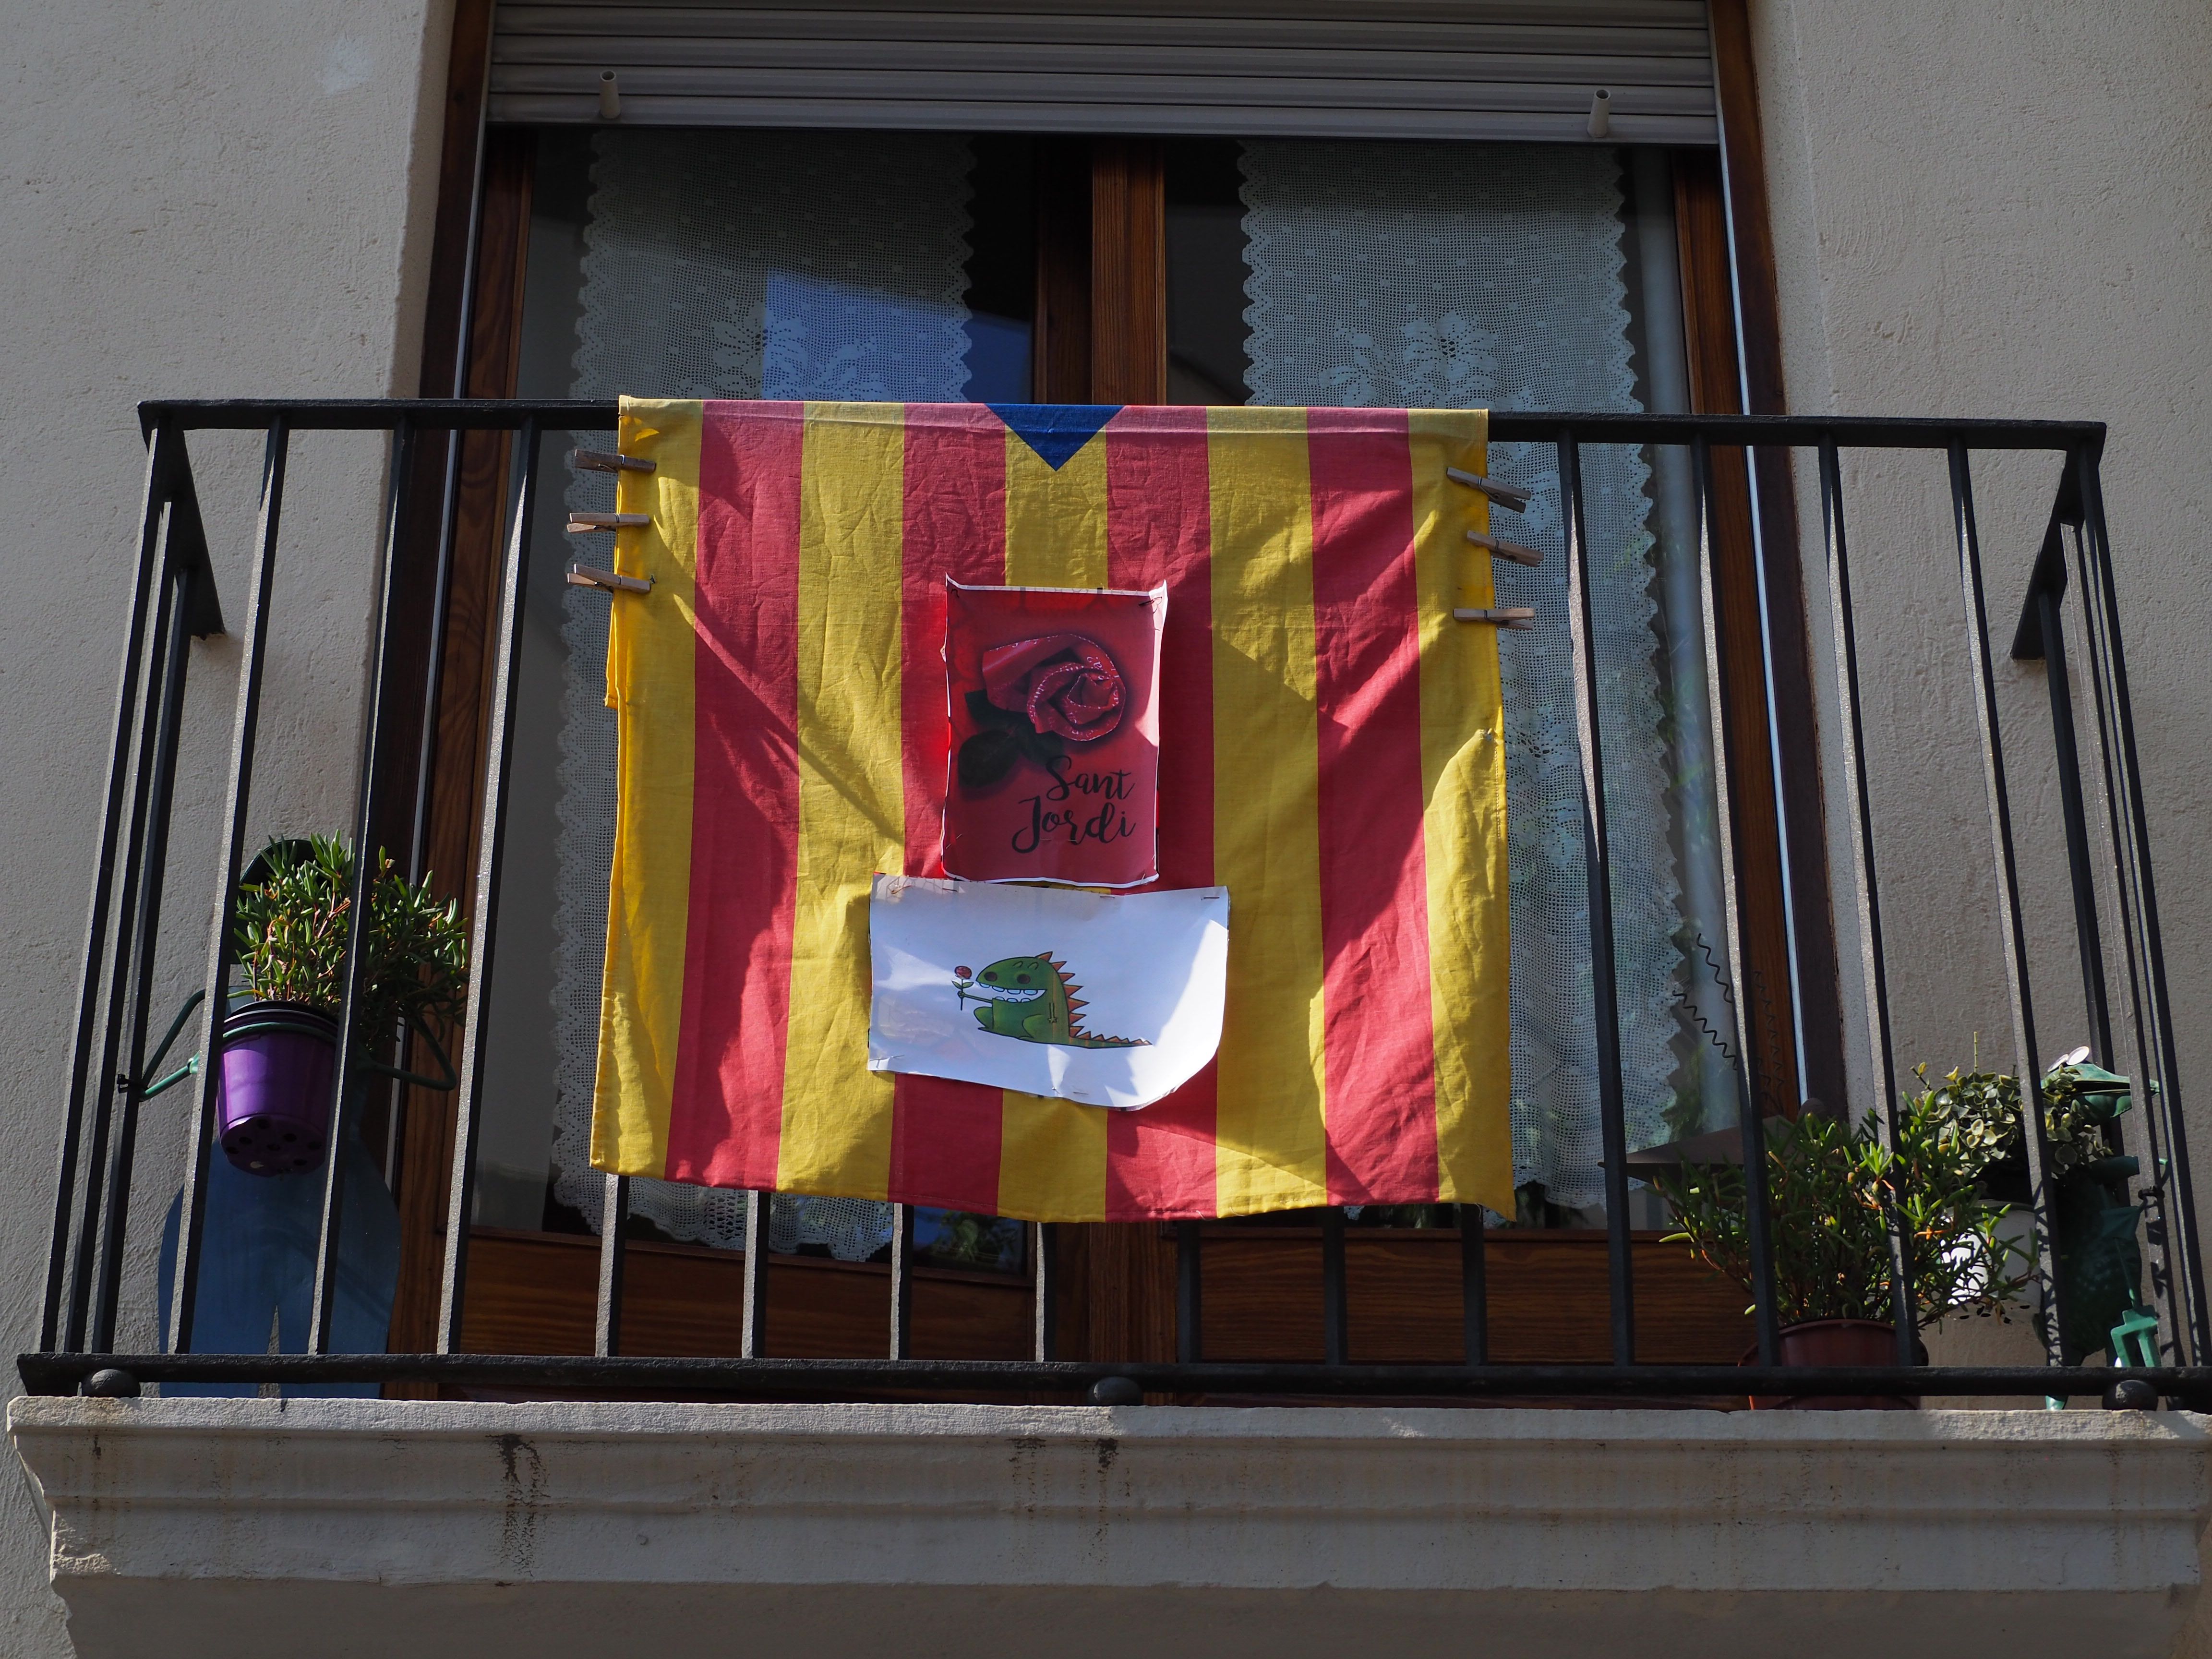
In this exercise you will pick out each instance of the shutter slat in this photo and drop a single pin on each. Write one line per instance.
(915, 85)
(759, 60)
(1682, 34)
(1458, 68)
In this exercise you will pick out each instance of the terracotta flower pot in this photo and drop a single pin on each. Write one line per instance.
(1838, 1342)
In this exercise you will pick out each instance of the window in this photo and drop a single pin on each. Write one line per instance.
(999, 266)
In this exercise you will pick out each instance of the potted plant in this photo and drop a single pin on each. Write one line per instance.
(2094, 1254)
(1829, 1185)
(279, 1036)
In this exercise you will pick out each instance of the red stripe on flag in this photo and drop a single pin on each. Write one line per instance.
(1158, 529)
(725, 1118)
(944, 1135)
(1378, 1037)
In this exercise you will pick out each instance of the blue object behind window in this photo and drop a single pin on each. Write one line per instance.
(258, 1267)
(998, 360)
(839, 342)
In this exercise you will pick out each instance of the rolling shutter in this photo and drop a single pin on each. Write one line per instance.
(1389, 68)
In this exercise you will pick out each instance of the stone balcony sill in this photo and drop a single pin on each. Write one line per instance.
(343, 1528)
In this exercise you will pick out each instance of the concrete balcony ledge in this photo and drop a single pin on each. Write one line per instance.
(344, 1527)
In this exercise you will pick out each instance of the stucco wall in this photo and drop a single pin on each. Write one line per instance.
(2004, 208)
(201, 201)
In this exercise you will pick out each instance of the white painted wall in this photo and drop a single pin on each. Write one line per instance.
(201, 200)
(2004, 208)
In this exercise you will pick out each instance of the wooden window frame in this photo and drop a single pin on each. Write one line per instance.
(1101, 337)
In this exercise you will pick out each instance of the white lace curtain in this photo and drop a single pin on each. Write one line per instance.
(740, 264)
(1456, 276)
(734, 264)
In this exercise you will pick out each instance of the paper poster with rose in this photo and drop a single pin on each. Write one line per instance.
(1054, 695)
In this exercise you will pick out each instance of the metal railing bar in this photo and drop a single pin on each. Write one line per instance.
(145, 931)
(1190, 1295)
(1597, 862)
(164, 443)
(348, 1075)
(1595, 426)
(2107, 600)
(1866, 887)
(1751, 1126)
(109, 1080)
(2115, 813)
(1335, 1314)
(426, 742)
(2088, 935)
(60, 1373)
(2050, 567)
(189, 548)
(123, 957)
(1044, 1305)
(902, 1281)
(2012, 925)
(246, 724)
(434, 672)
(491, 838)
(2169, 1280)
(1474, 1286)
(752, 1340)
(607, 1313)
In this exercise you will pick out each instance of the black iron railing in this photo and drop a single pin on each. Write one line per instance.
(175, 600)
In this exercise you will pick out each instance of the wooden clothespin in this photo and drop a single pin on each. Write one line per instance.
(582, 576)
(606, 461)
(584, 524)
(1512, 498)
(1505, 550)
(1519, 618)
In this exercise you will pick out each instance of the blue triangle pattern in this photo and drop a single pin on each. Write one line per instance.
(1055, 431)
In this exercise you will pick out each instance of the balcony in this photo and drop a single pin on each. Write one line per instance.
(701, 1423)
(230, 1527)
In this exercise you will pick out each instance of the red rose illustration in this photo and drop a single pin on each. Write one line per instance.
(1065, 682)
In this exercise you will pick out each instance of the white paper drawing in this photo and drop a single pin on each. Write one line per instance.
(1109, 1000)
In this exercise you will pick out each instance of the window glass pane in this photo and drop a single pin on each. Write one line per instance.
(1513, 277)
(727, 264)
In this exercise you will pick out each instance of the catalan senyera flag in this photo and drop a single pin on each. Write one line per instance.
(1330, 751)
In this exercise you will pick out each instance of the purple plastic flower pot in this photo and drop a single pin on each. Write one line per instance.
(274, 1099)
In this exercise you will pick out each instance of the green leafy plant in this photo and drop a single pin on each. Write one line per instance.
(291, 937)
(2093, 1224)
(1980, 1111)
(968, 1240)
(1828, 1184)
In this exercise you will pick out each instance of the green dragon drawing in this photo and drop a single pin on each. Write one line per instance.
(1033, 998)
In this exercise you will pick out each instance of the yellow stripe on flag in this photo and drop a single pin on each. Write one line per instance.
(1055, 520)
(1269, 1150)
(836, 1134)
(649, 652)
(1051, 1153)
(1463, 825)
